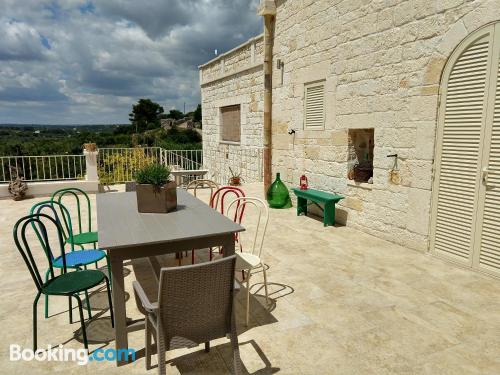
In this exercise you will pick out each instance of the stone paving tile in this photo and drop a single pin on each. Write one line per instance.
(342, 302)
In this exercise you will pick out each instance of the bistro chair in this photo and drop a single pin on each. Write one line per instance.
(251, 260)
(219, 201)
(194, 186)
(74, 259)
(69, 284)
(83, 234)
(194, 306)
(197, 184)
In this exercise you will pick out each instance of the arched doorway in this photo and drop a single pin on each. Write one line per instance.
(465, 225)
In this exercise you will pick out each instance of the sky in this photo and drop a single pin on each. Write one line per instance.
(88, 61)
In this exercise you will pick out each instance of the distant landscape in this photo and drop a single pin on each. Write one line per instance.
(144, 129)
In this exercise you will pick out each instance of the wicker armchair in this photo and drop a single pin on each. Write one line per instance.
(195, 305)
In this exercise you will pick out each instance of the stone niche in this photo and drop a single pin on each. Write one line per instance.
(360, 154)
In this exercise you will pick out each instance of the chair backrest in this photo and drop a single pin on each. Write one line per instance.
(218, 200)
(59, 213)
(196, 301)
(260, 225)
(82, 201)
(42, 223)
(196, 184)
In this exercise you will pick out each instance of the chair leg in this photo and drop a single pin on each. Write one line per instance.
(35, 302)
(248, 298)
(46, 296)
(265, 282)
(109, 272)
(207, 346)
(235, 346)
(88, 304)
(160, 346)
(70, 303)
(110, 301)
(148, 340)
(82, 321)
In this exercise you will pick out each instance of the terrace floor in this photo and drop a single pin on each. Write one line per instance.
(344, 302)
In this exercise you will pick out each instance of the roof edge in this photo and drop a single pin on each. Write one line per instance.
(251, 40)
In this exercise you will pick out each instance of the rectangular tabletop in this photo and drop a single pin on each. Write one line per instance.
(122, 226)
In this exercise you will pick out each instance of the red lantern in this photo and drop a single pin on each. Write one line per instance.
(303, 182)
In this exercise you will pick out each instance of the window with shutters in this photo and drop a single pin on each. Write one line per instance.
(230, 121)
(314, 106)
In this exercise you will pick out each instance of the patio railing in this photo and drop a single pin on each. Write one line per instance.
(43, 168)
(118, 165)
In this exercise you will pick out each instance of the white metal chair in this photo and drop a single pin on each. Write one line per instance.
(251, 259)
(196, 184)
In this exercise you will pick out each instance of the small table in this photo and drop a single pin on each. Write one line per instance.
(316, 197)
(127, 234)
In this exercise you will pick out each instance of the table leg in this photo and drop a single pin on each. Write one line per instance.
(121, 338)
(329, 214)
(301, 206)
(228, 245)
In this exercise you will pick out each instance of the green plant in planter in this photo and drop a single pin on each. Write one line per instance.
(154, 192)
(235, 179)
(153, 174)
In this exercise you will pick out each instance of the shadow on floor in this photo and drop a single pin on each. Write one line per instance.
(219, 360)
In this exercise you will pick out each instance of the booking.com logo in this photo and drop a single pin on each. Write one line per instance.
(61, 354)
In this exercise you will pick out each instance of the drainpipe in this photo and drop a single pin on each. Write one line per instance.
(267, 9)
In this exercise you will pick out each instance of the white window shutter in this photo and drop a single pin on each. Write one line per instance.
(314, 111)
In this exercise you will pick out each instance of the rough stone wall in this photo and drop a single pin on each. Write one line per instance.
(234, 78)
(381, 61)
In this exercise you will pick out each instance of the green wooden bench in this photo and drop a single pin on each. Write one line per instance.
(318, 197)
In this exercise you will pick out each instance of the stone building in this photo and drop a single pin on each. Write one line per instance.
(355, 83)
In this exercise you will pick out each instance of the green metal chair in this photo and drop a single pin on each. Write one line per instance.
(75, 259)
(67, 284)
(83, 235)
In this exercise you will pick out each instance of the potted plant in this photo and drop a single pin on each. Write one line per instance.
(235, 179)
(17, 186)
(154, 190)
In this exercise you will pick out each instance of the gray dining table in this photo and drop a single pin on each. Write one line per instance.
(127, 234)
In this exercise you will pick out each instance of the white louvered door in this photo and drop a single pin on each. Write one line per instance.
(488, 241)
(466, 210)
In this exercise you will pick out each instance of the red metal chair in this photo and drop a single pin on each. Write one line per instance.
(219, 201)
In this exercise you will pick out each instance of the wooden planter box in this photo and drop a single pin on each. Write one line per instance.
(152, 200)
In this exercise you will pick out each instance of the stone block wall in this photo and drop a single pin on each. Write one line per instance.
(235, 77)
(381, 61)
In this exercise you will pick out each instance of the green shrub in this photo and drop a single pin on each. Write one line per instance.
(154, 174)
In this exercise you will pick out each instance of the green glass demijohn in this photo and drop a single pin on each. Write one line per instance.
(278, 195)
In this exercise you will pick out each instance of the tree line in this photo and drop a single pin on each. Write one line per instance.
(144, 130)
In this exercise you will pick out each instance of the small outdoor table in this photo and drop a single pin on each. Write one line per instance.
(127, 234)
(318, 197)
